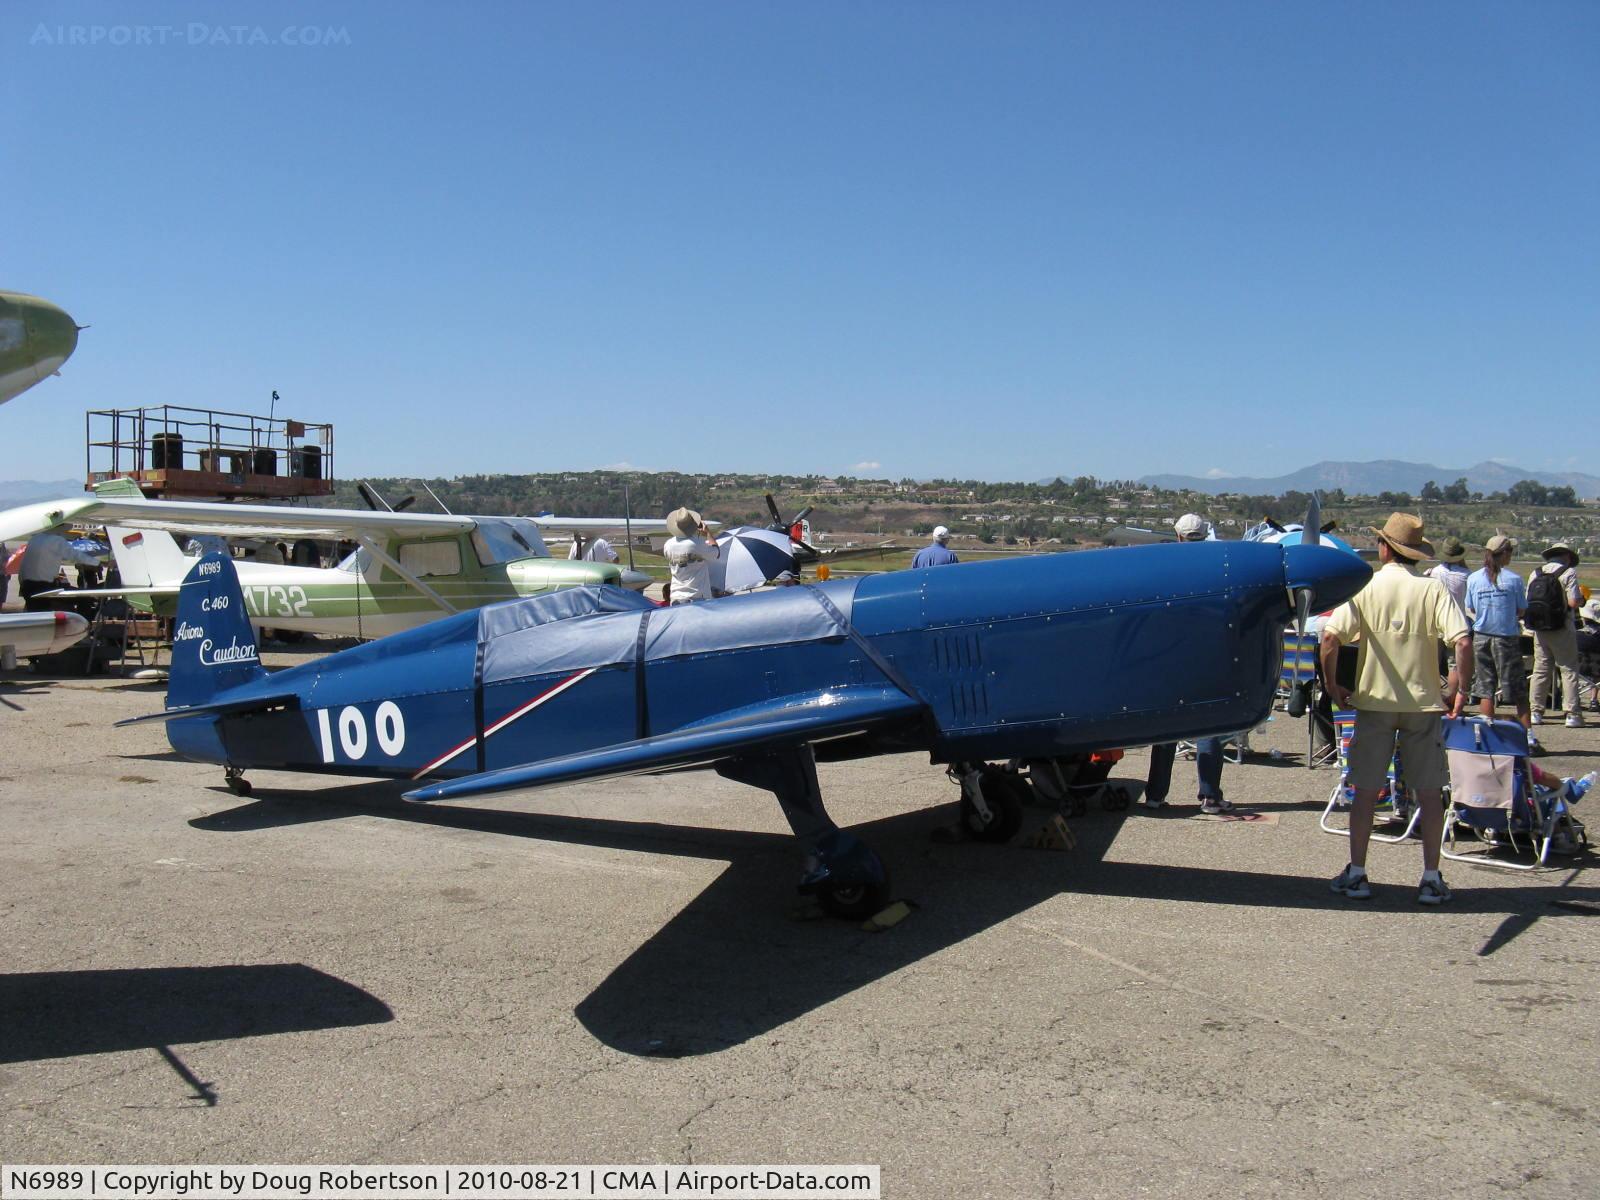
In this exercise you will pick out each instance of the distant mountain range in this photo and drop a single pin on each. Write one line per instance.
(26, 491)
(1385, 475)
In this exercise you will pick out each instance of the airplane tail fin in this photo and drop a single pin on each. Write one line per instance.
(145, 557)
(213, 646)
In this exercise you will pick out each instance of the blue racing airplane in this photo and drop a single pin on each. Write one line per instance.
(1042, 658)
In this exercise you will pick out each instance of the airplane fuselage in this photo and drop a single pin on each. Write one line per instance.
(1029, 658)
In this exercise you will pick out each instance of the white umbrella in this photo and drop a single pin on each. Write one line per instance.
(750, 557)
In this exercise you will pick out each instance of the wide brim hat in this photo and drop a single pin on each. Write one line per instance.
(1403, 533)
(684, 522)
(1452, 551)
(1559, 548)
(1500, 542)
(1591, 610)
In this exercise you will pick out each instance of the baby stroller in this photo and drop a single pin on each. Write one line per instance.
(1493, 793)
(1071, 782)
(1396, 804)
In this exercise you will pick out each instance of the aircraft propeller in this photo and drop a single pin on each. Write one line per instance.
(1310, 535)
(794, 527)
(376, 502)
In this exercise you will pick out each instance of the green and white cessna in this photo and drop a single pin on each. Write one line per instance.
(408, 568)
(36, 337)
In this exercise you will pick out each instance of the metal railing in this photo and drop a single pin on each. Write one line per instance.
(167, 437)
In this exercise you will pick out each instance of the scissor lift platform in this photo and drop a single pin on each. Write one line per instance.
(174, 452)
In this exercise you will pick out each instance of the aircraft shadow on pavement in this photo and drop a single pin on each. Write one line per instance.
(57, 1014)
(733, 965)
(18, 687)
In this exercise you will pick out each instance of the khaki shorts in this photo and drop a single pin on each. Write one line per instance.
(1420, 739)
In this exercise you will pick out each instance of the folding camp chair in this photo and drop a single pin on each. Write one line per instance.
(1298, 668)
(1492, 793)
(1395, 801)
(1234, 746)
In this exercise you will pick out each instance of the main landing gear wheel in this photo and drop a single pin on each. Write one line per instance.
(233, 779)
(854, 901)
(846, 877)
(1004, 794)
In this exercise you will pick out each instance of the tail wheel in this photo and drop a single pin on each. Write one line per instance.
(1005, 794)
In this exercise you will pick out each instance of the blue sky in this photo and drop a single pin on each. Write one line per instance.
(997, 240)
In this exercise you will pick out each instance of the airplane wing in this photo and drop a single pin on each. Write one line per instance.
(605, 526)
(840, 553)
(234, 520)
(791, 721)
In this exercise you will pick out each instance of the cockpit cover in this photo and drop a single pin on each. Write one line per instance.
(577, 628)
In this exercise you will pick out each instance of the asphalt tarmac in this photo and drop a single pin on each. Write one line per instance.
(619, 972)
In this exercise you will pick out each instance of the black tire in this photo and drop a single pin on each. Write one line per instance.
(239, 787)
(1005, 794)
(1115, 798)
(855, 902)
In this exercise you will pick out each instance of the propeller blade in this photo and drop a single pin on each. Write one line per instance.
(1274, 525)
(405, 504)
(772, 507)
(374, 501)
(802, 514)
(1298, 698)
(1330, 526)
(1311, 531)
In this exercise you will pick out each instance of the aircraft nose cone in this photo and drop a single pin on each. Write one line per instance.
(36, 338)
(53, 330)
(1332, 575)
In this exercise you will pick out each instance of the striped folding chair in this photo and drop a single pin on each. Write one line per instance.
(1299, 668)
(1390, 809)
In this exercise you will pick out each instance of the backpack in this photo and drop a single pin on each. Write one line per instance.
(1547, 602)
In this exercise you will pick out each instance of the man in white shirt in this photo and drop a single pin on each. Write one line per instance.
(689, 554)
(1452, 570)
(598, 550)
(42, 561)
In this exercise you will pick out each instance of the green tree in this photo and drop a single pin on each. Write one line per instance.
(1528, 491)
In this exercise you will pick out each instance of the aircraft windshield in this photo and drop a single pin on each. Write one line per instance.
(501, 539)
(356, 562)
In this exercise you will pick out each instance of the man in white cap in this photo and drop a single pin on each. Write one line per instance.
(936, 553)
(1553, 597)
(1192, 527)
(1208, 756)
(689, 554)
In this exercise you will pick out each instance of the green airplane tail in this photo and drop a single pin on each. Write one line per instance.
(145, 557)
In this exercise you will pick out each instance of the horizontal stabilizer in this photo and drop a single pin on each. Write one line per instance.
(226, 707)
(786, 722)
(154, 589)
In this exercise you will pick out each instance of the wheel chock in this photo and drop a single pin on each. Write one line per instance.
(888, 918)
(1054, 834)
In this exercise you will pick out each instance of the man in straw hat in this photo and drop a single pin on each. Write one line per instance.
(1451, 570)
(1496, 601)
(1553, 597)
(689, 553)
(1396, 622)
